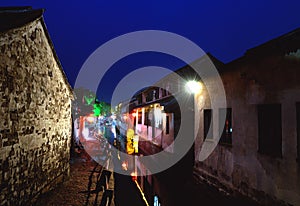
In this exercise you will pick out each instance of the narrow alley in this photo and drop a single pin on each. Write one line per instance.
(81, 189)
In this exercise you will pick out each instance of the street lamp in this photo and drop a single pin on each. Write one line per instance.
(193, 87)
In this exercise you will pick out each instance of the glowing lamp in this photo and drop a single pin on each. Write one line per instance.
(193, 87)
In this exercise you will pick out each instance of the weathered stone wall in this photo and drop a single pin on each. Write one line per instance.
(241, 167)
(35, 116)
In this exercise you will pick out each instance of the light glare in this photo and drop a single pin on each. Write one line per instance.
(193, 87)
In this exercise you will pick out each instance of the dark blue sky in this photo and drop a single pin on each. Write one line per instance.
(226, 29)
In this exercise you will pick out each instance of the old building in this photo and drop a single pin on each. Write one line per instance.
(258, 152)
(156, 115)
(35, 111)
(255, 149)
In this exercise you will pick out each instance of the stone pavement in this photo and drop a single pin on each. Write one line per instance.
(80, 189)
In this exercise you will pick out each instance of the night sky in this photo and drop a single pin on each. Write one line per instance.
(226, 29)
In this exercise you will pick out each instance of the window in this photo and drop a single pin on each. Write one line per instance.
(146, 117)
(298, 129)
(225, 127)
(269, 129)
(163, 92)
(139, 99)
(140, 117)
(167, 124)
(149, 96)
(156, 93)
(208, 123)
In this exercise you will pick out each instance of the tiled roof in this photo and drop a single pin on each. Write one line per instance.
(14, 17)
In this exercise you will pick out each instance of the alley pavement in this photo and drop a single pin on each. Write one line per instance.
(81, 189)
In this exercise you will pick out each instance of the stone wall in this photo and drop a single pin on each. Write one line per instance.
(240, 167)
(35, 116)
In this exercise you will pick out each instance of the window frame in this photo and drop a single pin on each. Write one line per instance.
(226, 139)
(207, 123)
(264, 134)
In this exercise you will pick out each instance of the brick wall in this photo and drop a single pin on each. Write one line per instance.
(35, 116)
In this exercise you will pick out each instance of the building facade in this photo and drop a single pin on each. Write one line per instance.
(258, 151)
(35, 112)
(155, 115)
(254, 150)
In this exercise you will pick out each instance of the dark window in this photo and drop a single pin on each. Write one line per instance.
(298, 130)
(146, 117)
(140, 118)
(167, 124)
(139, 98)
(163, 92)
(208, 124)
(225, 127)
(156, 93)
(149, 96)
(269, 129)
